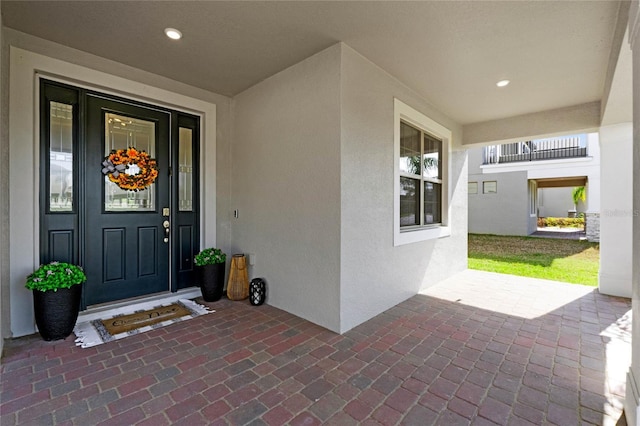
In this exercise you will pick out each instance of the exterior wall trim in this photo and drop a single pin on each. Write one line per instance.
(25, 67)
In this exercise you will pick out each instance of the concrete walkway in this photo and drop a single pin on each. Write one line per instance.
(479, 348)
(560, 233)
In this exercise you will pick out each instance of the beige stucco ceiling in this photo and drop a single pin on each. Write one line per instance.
(451, 52)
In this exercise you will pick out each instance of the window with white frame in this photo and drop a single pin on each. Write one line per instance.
(420, 177)
(421, 173)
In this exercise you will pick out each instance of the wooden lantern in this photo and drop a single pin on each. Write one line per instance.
(238, 284)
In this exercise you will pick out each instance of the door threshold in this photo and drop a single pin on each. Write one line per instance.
(130, 305)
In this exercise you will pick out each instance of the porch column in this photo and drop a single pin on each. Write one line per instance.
(616, 209)
(632, 403)
(594, 204)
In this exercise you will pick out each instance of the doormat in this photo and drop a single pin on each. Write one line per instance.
(99, 331)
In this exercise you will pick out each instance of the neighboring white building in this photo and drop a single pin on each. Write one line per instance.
(512, 185)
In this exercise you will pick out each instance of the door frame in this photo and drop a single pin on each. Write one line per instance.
(70, 230)
(25, 69)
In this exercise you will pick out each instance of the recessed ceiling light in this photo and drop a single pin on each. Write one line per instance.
(172, 33)
(503, 83)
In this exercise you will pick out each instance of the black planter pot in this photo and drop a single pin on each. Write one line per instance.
(211, 281)
(57, 311)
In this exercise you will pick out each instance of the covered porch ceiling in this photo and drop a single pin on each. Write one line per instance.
(562, 182)
(556, 54)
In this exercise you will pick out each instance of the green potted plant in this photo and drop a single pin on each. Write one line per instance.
(56, 298)
(211, 268)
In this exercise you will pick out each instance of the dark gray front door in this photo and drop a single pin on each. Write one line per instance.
(126, 245)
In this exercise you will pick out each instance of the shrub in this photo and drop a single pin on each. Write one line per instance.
(55, 275)
(210, 256)
(561, 222)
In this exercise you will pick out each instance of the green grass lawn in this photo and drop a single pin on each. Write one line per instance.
(552, 259)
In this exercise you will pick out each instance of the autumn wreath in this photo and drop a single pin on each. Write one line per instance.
(130, 169)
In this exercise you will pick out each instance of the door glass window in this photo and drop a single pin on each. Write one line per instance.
(185, 165)
(123, 132)
(60, 157)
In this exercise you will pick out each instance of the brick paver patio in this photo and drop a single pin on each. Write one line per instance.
(478, 349)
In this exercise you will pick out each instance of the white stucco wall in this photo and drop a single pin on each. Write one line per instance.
(632, 403)
(29, 54)
(505, 212)
(312, 180)
(375, 275)
(286, 186)
(475, 159)
(556, 202)
(616, 216)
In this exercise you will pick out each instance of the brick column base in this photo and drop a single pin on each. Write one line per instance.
(592, 225)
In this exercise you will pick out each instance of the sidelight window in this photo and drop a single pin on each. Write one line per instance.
(60, 157)
(185, 169)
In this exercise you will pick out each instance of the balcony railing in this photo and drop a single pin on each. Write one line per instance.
(543, 149)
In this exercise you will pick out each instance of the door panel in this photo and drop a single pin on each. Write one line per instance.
(147, 253)
(113, 253)
(126, 254)
(61, 244)
(185, 238)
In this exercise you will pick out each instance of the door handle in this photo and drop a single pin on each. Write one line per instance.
(166, 225)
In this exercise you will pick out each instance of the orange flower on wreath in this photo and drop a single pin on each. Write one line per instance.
(116, 164)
